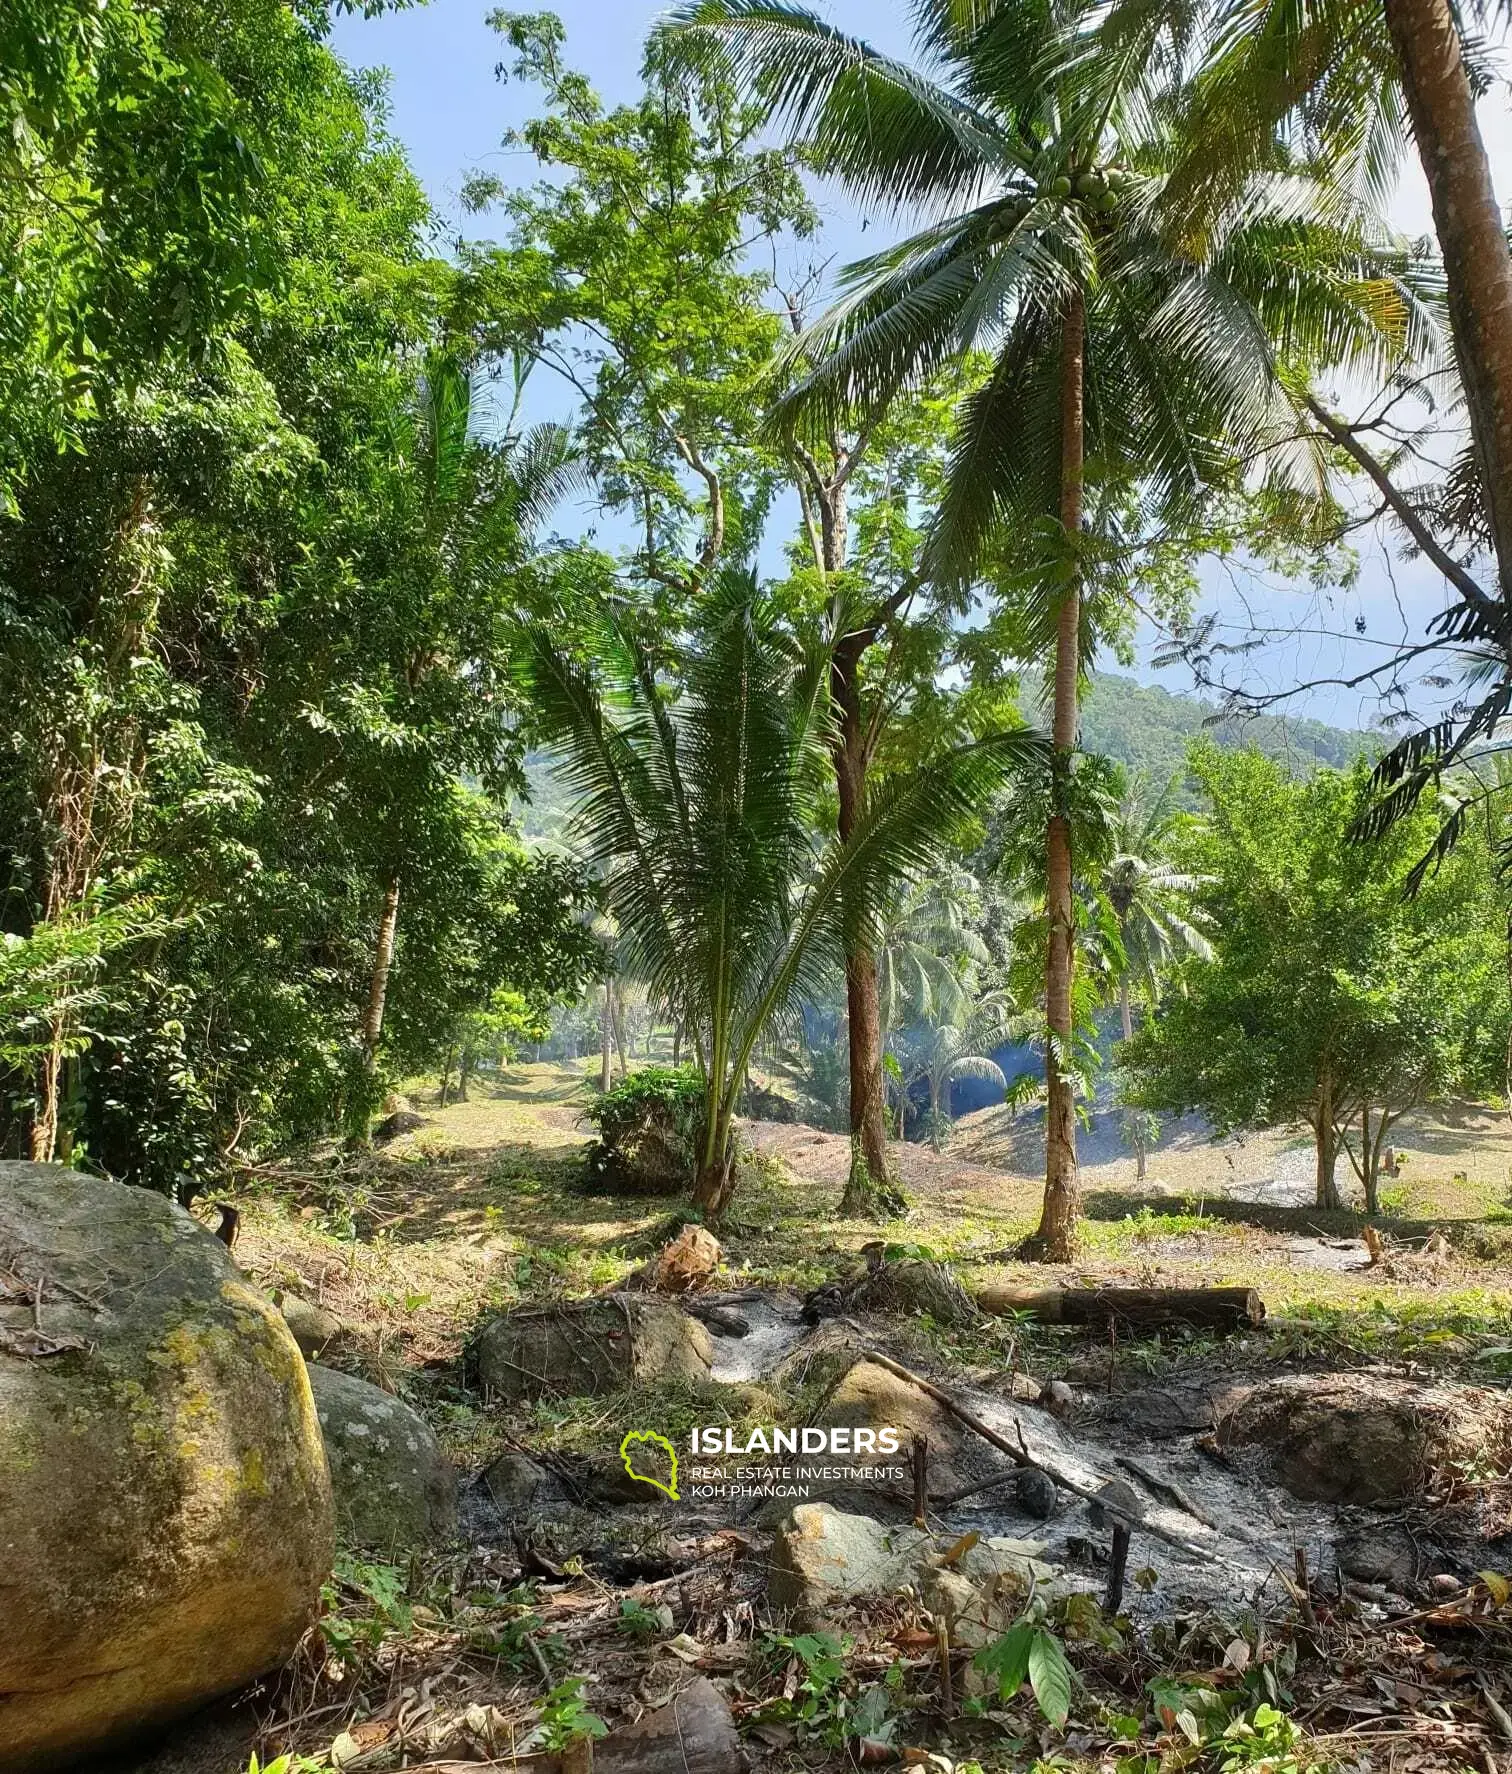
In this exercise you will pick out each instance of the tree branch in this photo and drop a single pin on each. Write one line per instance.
(1345, 438)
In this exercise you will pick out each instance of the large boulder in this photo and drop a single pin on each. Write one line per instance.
(394, 1488)
(585, 1347)
(165, 1509)
(823, 1559)
(1369, 1438)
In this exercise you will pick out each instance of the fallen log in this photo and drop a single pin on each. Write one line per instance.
(1138, 1308)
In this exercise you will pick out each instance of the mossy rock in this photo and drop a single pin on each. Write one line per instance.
(393, 1486)
(583, 1348)
(165, 1507)
(1369, 1438)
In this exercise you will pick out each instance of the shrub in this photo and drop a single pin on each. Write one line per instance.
(649, 1130)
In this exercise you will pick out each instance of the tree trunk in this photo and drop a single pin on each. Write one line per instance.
(1370, 1164)
(464, 1073)
(617, 1022)
(446, 1070)
(1472, 237)
(44, 1128)
(1126, 1017)
(714, 1182)
(383, 961)
(606, 1041)
(1140, 1308)
(869, 1191)
(1326, 1143)
(677, 1043)
(1055, 1236)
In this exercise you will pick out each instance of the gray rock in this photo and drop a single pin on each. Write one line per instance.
(1369, 1438)
(586, 1347)
(165, 1512)
(1381, 1554)
(316, 1331)
(515, 1481)
(402, 1121)
(1037, 1493)
(394, 1488)
(823, 1557)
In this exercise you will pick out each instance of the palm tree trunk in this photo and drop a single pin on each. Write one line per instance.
(1126, 1016)
(1472, 237)
(617, 1023)
(606, 1041)
(383, 961)
(1062, 1204)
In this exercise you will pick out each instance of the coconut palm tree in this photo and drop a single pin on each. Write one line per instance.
(703, 808)
(1347, 82)
(950, 1050)
(926, 951)
(1151, 901)
(1151, 356)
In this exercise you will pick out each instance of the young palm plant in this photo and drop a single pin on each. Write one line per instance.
(1148, 359)
(703, 805)
(949, 1051)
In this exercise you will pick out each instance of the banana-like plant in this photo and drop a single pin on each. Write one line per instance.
(702, 802)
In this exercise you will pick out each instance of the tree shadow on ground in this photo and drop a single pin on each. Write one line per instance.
(1300, 1222)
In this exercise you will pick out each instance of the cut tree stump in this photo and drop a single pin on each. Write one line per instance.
(1139, 1308)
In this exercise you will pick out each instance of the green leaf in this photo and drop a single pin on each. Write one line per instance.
(1007, 1658)
(1050, 1676)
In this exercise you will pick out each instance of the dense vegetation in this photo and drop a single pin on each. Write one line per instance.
(294, 614)
(603, 667)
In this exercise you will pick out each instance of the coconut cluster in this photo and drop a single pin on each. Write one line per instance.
(1097, 188)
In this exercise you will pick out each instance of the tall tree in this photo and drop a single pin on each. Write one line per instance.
(702, 805)
(1114, 342)
(1332, 997)
(1344, 83)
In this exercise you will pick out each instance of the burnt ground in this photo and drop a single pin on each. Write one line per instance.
(1395, 1655)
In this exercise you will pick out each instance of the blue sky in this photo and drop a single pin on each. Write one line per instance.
(451, 112)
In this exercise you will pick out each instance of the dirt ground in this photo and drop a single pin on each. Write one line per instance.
(477, 1211)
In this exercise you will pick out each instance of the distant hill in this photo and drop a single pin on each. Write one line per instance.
(1149, 729)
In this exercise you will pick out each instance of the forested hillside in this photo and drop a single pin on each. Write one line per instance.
(1149, 729)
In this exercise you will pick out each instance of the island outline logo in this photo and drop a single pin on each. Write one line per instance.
(636, 1438)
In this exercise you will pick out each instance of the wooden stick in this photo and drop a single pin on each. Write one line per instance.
(947, 1678)
(1118, 1564)
(1304, 1585)
(920, 1479)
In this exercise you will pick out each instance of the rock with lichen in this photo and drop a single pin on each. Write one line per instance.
(582, 1348)
(393, 1486)
(165, 1507)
